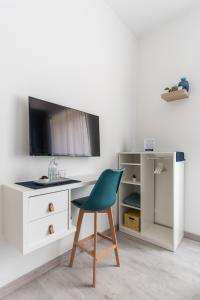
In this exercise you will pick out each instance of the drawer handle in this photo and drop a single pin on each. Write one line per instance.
(51, 207)
(51, 229)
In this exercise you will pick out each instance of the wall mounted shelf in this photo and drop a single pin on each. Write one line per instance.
(176, 95)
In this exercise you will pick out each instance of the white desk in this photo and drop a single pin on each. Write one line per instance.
(36, 218)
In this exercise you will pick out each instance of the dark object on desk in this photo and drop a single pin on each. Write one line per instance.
(44, 177)
(35, 186)
(133, 200)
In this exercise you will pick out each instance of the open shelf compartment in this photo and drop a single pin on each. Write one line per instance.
(131, 171)
(157, 200)
(125, 210)
(129, 158)
(127, 190)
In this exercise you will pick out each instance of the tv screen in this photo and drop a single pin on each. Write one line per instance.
(56, 130)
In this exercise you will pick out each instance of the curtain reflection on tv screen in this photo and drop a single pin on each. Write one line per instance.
(57, 130)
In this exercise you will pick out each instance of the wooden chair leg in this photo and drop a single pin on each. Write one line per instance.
(95, 250)
(113, 234)
(78, 229)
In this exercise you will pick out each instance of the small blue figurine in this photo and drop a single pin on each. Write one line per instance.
(184, 83)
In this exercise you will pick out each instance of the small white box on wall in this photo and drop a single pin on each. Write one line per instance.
(149, 144)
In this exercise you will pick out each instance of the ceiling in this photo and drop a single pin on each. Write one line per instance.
(143, 16)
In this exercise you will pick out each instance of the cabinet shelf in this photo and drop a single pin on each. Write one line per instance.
(130, 206)
(130, 164)
(130, 182)
(130, 231)
(176, 95)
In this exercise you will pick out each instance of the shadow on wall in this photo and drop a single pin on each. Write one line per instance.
(19, 135)
(21, 127)
(127, 146)
(1, 215)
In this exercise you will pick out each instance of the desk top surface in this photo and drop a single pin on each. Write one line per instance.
(85, 180)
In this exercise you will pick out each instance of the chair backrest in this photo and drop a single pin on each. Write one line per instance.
(103, 194)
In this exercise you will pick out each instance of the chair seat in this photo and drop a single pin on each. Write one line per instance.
(80, 202)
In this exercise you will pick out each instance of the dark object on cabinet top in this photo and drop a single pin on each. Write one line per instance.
(132, 200)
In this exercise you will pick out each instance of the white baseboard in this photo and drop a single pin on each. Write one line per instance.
(192, 236)
(27, 278)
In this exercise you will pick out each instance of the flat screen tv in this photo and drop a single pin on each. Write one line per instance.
(56, 130)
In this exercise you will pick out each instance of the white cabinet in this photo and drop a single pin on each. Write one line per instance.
(36, 218)
(160, 184)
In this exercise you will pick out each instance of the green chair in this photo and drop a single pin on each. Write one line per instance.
(100, 200)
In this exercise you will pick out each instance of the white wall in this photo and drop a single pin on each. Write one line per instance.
(164, 56)
(76, 53)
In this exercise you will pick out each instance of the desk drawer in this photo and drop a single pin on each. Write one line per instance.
(48, 228)
(47, 204)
